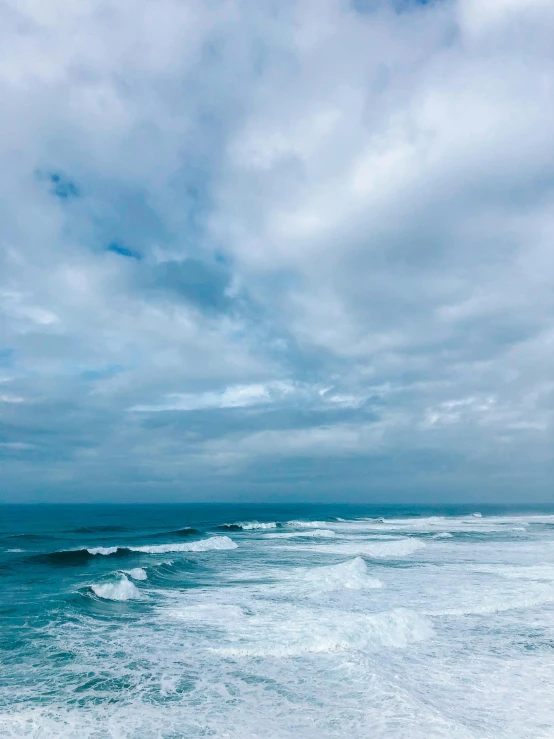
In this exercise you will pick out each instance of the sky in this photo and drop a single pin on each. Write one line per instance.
(292, 250)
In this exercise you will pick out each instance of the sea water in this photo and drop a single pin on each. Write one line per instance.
(237, 622)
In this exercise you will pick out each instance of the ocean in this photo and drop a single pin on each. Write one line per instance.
(151, 622)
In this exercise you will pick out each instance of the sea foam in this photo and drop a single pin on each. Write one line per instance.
(390, 549)
(302, 631)
(352, 574)
(313, 534)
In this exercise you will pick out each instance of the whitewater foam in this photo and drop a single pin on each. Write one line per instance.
(315, 534)
(123, 589)
(137, 573)
(299, 631)
(382, 550)
(352, 575)
(541, 571)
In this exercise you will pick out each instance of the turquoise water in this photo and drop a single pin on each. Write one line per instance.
(236, 621)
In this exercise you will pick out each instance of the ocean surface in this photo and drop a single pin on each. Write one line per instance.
(275, 622)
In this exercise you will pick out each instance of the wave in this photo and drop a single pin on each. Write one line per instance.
(214, 543)
(391, 549)
(184, 532)
(104, 529)
(308, 524)
(104, 550)
(124, 589)
(82, 556)
(14, 551)
(74, 557)
(442, 535)
(315, 534)
(249, 526)
(352, 575)
(137, 573)
(170, 570)
(28, 537)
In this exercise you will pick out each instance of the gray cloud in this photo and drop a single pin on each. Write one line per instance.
(257, 250)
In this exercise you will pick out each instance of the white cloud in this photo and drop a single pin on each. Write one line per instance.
(338, 220)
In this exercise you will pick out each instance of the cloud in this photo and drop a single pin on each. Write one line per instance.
(304, 246)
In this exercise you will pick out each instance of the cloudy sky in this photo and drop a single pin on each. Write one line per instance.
(277, 250)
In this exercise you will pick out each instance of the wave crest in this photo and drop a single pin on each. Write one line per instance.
(214, 543)
(137, 573)
(124, 589)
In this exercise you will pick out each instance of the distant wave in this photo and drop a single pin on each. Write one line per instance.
(307, 524)
(248, 526)
(28, 537)
(106, 529)
(184, 532)
(123, 589)
(442, 535)
(81, 556)
(315, 534)
(204, 545)
(74, 557)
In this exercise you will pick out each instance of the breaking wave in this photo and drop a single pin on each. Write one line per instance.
(82, 556)
(123, 589)
(104, 550)
(214, 543)
(137, 573)
(249, 526)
